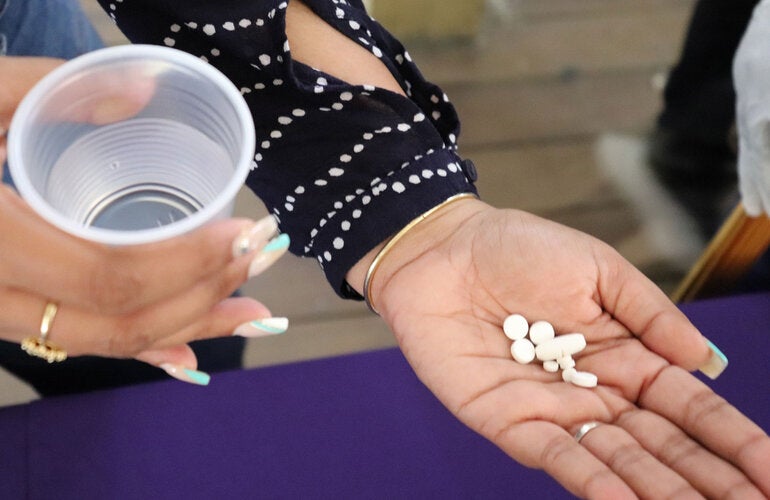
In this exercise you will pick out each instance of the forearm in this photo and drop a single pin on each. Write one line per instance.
(317, 44)
(352, 142)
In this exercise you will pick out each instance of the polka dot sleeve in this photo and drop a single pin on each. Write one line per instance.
(342, 167)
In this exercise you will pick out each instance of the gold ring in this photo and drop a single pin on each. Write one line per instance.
(585, 429)
(40, 347)
(48, 316)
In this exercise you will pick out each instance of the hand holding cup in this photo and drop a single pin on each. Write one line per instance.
(137, 152)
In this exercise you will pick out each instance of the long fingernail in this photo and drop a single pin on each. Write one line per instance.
(269, 254)
(716, 363)
(262, 327)
(186, 374)
(255, 236)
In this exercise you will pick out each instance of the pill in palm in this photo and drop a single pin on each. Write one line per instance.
(558, 347)
(523, 351)
(541, 331)
(540, 341)
(566, 362)
(515, 327)
(584, 379)
(551, 366)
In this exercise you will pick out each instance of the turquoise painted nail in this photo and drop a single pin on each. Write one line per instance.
(262, 327)
(280, 242)
(186, 374)
(269, 254)
(198, 377)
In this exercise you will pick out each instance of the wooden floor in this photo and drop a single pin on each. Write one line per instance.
(536, 90)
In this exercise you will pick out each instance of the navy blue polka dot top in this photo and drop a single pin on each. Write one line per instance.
(341, 167)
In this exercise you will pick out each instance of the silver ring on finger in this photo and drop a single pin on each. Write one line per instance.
(585, 429)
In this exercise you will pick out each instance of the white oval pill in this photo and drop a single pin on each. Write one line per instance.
(523, 351)
(551, 366)
(567, 374)
(515, 327)
(584, 379)
(563, 345)
(566, 362)
(541, 331)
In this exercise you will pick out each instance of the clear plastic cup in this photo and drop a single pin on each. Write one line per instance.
(131, 144)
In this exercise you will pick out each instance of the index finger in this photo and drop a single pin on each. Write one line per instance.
(641, 307)
(42, 259)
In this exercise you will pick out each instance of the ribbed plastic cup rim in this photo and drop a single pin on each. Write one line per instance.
(16, 138)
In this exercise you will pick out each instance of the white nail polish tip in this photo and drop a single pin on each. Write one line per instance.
(262, 327)
(716, 364)
(255, 236)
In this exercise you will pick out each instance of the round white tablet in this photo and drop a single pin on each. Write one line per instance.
(551, 366)
(523, 351)
(541, 331)
(566, 362)
(515, 327)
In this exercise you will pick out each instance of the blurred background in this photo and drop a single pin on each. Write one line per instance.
(554, 97)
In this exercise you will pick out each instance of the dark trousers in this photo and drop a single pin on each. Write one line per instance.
(89, 373)
(692, 147)
(699, 99)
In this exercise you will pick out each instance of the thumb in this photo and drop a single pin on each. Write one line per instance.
(647, 312)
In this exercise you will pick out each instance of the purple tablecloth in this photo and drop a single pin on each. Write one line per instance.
(358, 426)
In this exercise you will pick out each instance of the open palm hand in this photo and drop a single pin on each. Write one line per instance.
(663, 431)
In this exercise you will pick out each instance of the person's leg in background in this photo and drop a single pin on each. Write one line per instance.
(60, 28)
(692, 149)
(681, 177)
(52, 28)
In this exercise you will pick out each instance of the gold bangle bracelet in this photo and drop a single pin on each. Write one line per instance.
(392, 242)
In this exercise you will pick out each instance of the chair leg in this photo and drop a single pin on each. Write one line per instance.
(738, 244)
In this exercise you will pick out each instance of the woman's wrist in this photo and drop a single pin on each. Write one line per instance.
(417, 240)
